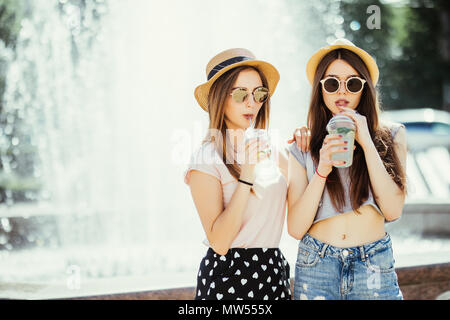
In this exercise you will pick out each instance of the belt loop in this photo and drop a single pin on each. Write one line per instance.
(322, 251)
(363, 254)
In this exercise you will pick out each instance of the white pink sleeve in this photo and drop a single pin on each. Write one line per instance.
(204, 159)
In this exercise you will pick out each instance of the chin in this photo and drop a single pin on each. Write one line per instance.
(334, 110)
(244, 125)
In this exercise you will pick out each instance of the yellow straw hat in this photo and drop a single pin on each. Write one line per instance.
(314, 61)
(230, 59)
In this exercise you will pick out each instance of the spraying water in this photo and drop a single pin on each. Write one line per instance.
(101, 96)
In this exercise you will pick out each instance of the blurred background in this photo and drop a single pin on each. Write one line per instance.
(98, 121)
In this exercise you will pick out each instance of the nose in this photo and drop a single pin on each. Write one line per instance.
(250, 101)
(342, 88)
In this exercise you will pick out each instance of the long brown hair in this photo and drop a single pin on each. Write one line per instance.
(318, 117)
(218, 94)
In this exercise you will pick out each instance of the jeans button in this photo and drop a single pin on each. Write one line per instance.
(345, 252)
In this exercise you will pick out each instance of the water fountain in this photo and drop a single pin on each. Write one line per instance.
(101, 95)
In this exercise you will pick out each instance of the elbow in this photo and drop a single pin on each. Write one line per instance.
(392, 209)
(295, 233)
(392, 215)
(293, 228)
(296, 236)
(221, 251)
(219, 248)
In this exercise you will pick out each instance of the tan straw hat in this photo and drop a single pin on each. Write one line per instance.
(314, 61)
(230, 59)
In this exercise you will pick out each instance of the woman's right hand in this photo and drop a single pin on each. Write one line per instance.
(255, 151)
(329, 147)
(302, 137)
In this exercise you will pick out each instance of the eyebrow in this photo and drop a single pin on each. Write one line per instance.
(247, 88)
(334, 75)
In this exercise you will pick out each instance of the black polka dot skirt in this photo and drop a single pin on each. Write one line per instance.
(244, 274)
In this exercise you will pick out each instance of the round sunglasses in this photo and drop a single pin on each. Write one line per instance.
(260, 94)
(353, 84)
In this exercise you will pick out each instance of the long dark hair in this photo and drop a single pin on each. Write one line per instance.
(318, 117)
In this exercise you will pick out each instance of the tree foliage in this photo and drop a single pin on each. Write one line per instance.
(409, 49)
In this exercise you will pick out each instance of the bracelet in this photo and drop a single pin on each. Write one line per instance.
(320, 175)
(250, 184)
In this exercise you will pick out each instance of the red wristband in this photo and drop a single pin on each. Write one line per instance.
(320, 175)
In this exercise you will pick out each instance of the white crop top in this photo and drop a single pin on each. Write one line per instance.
(326, 209)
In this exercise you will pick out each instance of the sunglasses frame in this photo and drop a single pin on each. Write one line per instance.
(253, 94)
(340, 81)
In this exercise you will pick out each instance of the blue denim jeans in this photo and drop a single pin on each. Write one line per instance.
(325, 272)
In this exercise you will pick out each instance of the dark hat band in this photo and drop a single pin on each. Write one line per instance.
(226, 63)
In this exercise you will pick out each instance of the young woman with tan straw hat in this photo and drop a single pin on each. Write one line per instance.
(242, 215)
(338, 211)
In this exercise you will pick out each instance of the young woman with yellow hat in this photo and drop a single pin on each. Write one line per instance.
(339, 213)
(242, 218)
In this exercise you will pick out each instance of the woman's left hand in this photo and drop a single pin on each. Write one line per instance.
(362, 135)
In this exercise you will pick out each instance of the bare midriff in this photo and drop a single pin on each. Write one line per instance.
(350, 229)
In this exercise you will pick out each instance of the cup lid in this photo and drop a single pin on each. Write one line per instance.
(345, 120)
(340, 117)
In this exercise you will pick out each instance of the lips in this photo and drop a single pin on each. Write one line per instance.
(341, 102)
(248, 116)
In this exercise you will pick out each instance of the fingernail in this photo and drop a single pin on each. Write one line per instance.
(345, 142)
(340, 136)
(345, 149)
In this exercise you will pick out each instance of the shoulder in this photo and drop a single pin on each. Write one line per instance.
(398, 133)
(206, 153)
(205, 159)
(295, 150)
(395, 128)
(298, 154)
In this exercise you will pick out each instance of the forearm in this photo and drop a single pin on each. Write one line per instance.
(301, 213)
(229, 222)
(389, 196)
